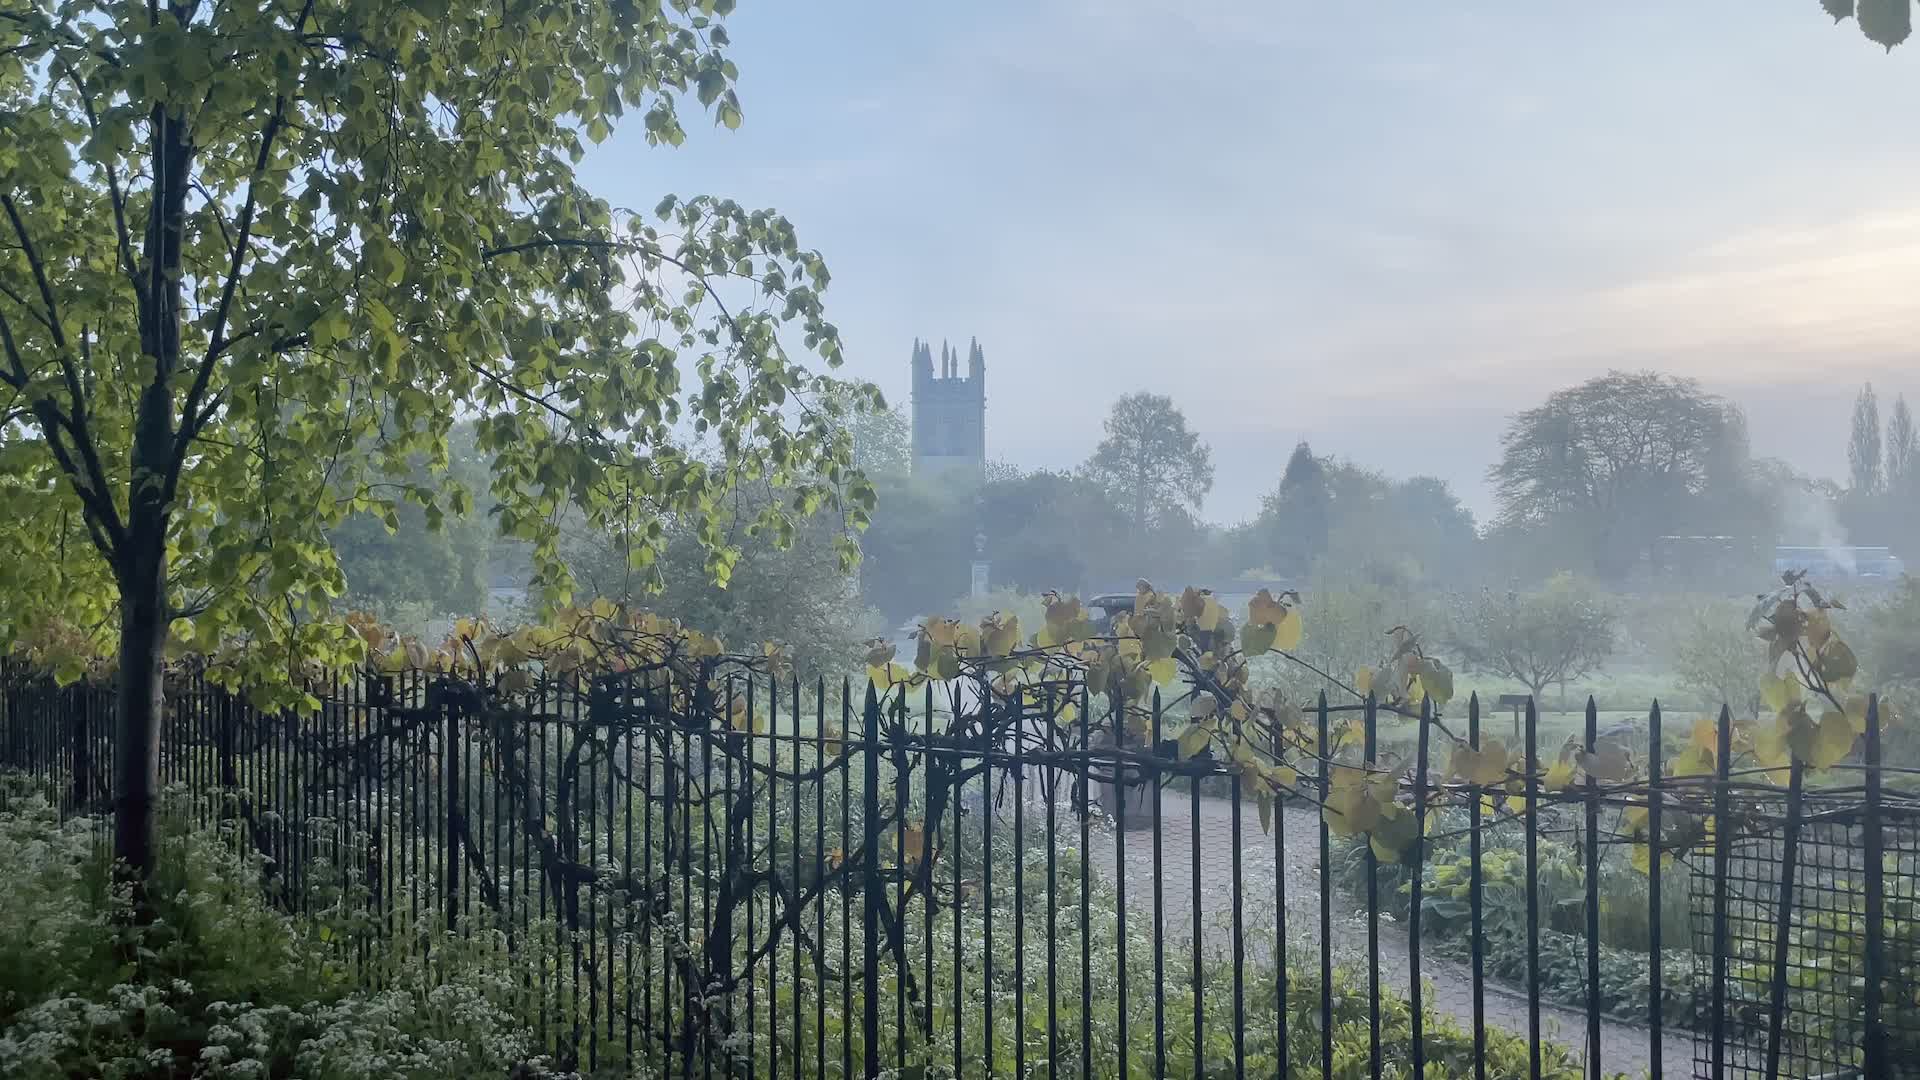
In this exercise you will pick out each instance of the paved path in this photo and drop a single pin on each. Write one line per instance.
(1623, 1046)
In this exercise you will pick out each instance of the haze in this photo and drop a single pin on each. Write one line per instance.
(1315, 221)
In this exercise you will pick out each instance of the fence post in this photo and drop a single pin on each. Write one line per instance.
(1592, 834)
(1655, 768)
(81, 737)
(1783, 918)
(1416, 1005)
(450, 763)
(870, 891)
(1532, 825)
(1722, 853)
(1876, 1037)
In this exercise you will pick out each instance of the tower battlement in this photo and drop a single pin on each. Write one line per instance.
(949, 411)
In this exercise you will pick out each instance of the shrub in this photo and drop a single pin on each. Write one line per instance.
(227, 986)
(1625, 922)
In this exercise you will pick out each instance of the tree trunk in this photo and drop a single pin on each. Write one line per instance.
(140, 563)
(143, 635)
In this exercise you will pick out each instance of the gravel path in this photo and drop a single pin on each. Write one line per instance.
(1623, 1046)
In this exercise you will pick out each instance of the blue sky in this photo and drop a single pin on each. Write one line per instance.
(1382, 228)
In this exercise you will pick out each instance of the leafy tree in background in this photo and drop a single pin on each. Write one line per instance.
(1892, 651)
(797, 593)
(1557, 634)
(1050, 530)
(1714, 655)
(1885, 22)
(258, 259)
(915, 555)
(1618, 461)
(882, 441)
(1150, 462)
(1903, 449)
(408, 562)
(1296, 517)
(1863, 444)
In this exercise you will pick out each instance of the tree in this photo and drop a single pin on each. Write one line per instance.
(1884, 22)
(1863, 444)
(1562, 632)
(1903, 449)
(1297, 514)
(882, 437)
(260, 258)
(418, 566)
(1617, 462)
(1149, 462)
(795, 594)
(1052, 530)
(915, 554)
(1715, 655)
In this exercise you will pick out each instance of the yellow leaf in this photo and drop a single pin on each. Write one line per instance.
(1363, 680)
(1266, 814)
(1163, 671)
(1210, 613)
(1633, 820)
(1559, 775)
(1643, 858)
(1693, 761)
(832, 742)
(1769, 744)
(1437, 680)
(1833, 742)
(1264, 610)
(1193, 740)
(1287, 631)
(1857, 713)
(1705, 735)
(1778, 693)
(1284, 777)
(1486, 766)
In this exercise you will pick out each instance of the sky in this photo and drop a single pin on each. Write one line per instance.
(1380, 228)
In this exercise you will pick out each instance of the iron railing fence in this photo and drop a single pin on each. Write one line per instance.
(770, 878)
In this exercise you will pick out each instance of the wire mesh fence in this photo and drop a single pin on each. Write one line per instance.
(765, 877)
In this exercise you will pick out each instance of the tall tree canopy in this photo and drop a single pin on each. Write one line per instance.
(1620, 460)
(1903, 449)
(256, 258)
(1863, 443)
(1296, 515)
(1149, 461)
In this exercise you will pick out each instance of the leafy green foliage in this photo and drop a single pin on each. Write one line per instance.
(1559, 633)
(1150, 462)
(385, 236)
(1715, 656)
(1604, 468)
(239, 989)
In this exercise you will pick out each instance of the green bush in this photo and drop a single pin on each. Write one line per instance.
(227, 986)
(234, 988)
(1625, 922)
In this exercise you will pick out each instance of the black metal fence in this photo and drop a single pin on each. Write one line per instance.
(766, 878)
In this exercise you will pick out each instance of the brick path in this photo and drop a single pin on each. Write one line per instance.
(1623, 1046)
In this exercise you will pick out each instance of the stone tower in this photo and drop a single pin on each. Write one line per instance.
(949, 412)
